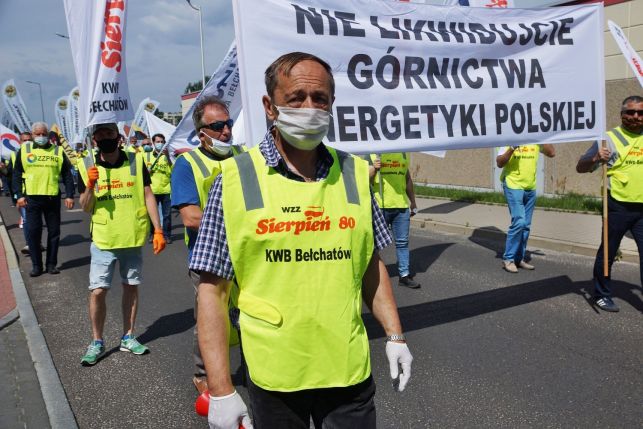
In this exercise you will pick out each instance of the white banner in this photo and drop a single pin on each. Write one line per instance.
(61, 111)
(139, 124)
(15, 106)
(158, 126)
(97, 36)
(224, 84)
(6, 119)
(73, 116)
(464, 78)
(487, 3)
(9, 142)
(632, 57)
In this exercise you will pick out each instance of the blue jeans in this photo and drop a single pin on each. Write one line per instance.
(622, 217)
(521, 207)
(400, 220)
(164, 208)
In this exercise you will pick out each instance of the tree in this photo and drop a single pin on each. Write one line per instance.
(195, 86)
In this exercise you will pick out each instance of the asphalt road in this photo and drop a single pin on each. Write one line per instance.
(491, 349)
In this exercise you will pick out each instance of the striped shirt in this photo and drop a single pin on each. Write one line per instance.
(211, 253)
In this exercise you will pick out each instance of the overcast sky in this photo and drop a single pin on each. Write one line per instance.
(162, 52)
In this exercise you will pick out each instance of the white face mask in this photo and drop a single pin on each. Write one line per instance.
(304, 128)
(217, 146)
(41, 140)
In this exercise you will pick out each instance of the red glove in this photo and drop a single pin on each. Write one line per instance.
(92, 175)
(158, 241)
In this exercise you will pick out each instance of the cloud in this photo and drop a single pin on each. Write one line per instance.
(162, 53)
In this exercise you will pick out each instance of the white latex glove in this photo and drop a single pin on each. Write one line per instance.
(227, 412)
(399, 354)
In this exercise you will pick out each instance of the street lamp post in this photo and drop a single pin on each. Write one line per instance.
(198, 9)
(42, 106)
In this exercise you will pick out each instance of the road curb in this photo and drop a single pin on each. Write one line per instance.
(500, 236)
(53, 394)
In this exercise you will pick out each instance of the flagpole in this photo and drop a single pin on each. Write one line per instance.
(605, 232)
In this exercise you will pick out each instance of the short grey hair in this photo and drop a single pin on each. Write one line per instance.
(199, 109)
(39, 125)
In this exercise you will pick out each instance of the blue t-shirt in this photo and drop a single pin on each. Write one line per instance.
(184, 191)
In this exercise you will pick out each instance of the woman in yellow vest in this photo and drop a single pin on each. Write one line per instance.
(393, 190)
(624, 158)
(519, 165)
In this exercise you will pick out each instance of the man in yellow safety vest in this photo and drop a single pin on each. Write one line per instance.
(160, 168)
(37, 170)
(192, 176)
(624, 158)
(295, 223)
(117, 193)
(519, 166)
(393, 189)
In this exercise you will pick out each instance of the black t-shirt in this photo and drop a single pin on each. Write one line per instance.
(122, 157)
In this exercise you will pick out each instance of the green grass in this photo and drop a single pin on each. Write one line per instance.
(571, 201)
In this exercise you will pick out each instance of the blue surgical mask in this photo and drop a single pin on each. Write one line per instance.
(158, 146)
(41, 140)
(147, 148)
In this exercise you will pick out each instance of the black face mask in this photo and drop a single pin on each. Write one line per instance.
(107, 145)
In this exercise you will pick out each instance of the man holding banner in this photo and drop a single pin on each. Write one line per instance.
(624, 158)
(303, 247)
(117, 193)
(519, 165)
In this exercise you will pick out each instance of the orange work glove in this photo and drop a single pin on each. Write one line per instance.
(158, 241)
(92, 175)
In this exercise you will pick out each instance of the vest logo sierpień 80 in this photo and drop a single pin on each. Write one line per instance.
(314, 220)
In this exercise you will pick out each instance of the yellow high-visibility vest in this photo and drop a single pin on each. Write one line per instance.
(299, 252)
(626, 175)
(41, 169)
(393, 174)
(520, 170)
(160, 174)
(119, 219)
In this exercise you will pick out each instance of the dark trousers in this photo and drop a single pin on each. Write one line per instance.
(39, 206)
(336, 407)
(621, 217)
(165, 209)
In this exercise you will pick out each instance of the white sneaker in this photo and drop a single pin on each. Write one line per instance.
(509, 266)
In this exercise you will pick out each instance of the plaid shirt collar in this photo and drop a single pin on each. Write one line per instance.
(274, 159)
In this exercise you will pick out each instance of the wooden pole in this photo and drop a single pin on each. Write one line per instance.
(605, 235)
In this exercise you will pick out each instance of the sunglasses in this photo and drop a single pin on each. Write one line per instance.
(631, 112)
(218, 125)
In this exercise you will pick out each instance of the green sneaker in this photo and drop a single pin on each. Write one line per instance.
(132, 345)
(94, 352)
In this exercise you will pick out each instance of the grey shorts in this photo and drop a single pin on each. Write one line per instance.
(103, 263)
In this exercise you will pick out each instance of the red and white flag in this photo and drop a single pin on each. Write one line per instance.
(632, 57)
(97, 35)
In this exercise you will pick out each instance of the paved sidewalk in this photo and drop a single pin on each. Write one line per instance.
(31, 395)
(564, 232)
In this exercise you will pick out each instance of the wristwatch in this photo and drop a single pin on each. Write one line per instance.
(396, 337)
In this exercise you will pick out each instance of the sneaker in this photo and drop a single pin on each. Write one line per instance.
(131, 344)
(94, 352)
(25, 250)
(605, 303)
(509, 266)
(407, 281)
(525, 266)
